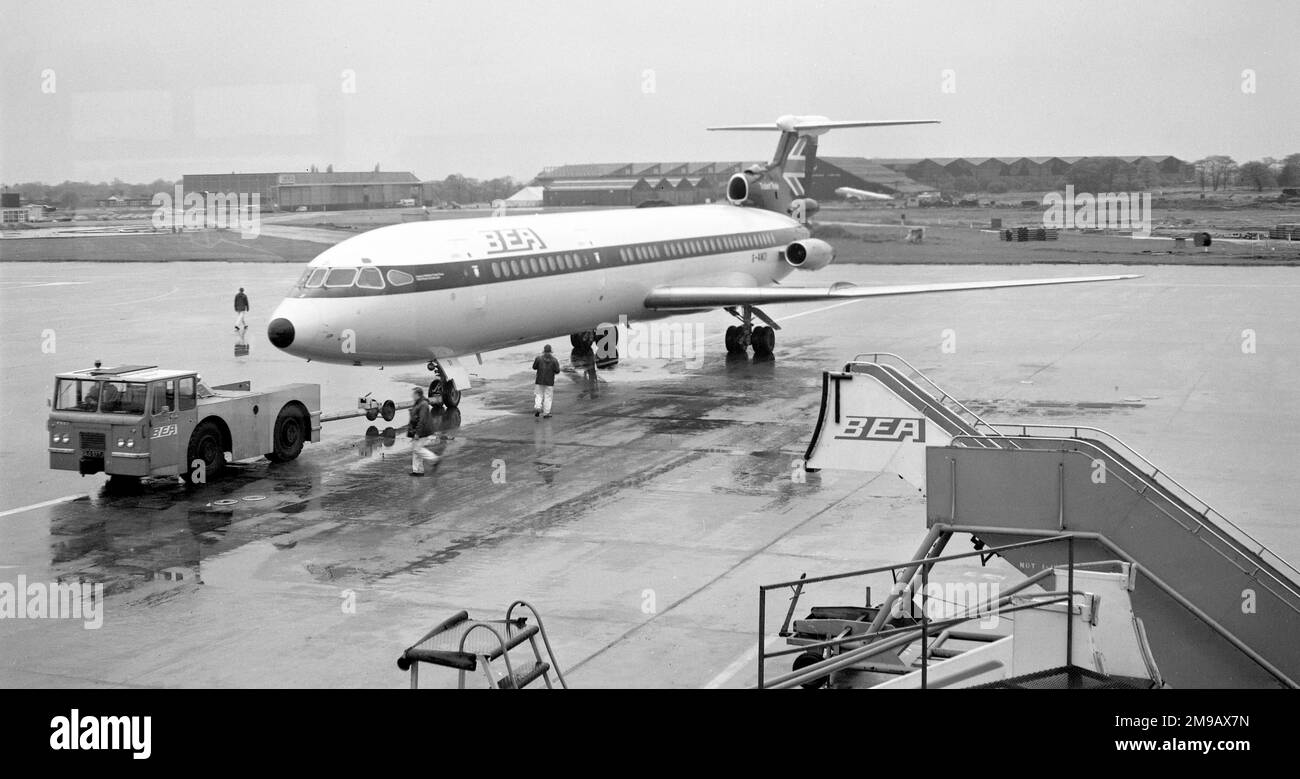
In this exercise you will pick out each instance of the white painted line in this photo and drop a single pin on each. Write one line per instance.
(25, 285)
(64, 499)
(739, 664)
(781, 319)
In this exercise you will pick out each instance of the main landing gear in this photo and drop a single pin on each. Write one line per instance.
(442, 388)
(741, 337)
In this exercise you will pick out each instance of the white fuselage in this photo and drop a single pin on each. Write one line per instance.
(440, 289)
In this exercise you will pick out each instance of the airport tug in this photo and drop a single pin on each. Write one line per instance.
(134, 421)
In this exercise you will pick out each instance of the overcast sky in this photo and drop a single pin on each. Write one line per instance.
(146, 90)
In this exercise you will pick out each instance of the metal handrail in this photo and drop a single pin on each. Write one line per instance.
(550, 653)
(943, 394)
(505, 652)
(1290, 586)
(904, 636)
(1155, 473)
(921, 399)
(922, 562)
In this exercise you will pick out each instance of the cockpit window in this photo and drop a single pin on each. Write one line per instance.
(340, 277)
(370, 278)
(399, 278)
(303, 279)
(316, 278)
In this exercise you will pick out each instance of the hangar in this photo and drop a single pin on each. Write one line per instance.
(630, 183)
(312, 190)
(684, 183)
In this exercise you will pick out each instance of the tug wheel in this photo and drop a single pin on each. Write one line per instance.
(205, 445)
(288, 436)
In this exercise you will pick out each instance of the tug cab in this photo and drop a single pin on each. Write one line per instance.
(134, 421)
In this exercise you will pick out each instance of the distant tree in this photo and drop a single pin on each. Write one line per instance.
(1289, 175)
(1094, 174)
(1257, 174)
(1147, 174)
(1216, 170)
(376, 167)
(329, 168)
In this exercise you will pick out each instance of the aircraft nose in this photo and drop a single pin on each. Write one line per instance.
(280, 332)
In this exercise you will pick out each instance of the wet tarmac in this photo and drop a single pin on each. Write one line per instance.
(640, 519)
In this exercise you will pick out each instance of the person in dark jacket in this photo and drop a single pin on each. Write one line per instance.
(544, 387)
(241, 308)
(419, 430)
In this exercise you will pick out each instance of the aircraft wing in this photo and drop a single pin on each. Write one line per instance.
(717, 297)
(862, 193)
(813, 123)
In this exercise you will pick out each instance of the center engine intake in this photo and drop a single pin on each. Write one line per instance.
(809, 254)
(738, 189)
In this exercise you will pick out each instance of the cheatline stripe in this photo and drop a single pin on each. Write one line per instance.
(504, 268)
(41, 505)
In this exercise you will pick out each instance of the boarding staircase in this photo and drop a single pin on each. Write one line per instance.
(469, 645)
(1220, 608)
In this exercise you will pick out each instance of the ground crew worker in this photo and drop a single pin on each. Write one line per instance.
(241, 308)
(419, 429)
(544, 387)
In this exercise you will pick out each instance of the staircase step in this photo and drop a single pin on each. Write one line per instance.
(524, 676)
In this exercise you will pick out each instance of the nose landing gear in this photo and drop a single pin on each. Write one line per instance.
(443, 389)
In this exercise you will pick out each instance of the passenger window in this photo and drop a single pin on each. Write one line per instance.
(496, 271)
(316, 278)
(370, 278)
(340, 277)
(532, 262)
(400, 278)
(550, 263)
(514, 267)
(185, 401)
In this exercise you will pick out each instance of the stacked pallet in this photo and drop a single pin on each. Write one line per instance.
(1029, 234)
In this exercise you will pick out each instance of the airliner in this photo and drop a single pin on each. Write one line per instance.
(440, 291)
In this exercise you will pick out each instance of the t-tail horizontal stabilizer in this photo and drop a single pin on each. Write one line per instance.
(768, 186)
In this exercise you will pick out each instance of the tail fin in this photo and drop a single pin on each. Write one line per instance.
(768, 186)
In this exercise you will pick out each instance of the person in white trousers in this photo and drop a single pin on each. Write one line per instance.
(241, 309)
(544, 386)
(419, 430)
